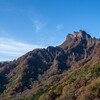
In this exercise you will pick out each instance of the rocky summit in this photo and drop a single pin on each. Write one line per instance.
(64, 72)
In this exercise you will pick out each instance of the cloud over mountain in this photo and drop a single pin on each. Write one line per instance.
(10, 48)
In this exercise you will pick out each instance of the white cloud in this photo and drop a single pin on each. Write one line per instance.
(38, 24)
(59, 26)
(11, 49)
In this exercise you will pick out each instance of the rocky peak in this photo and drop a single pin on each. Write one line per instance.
(80, 37)
(81, 34)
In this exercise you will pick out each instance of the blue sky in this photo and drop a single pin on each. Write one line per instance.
(29, 24)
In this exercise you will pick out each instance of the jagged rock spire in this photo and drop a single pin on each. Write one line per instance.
(77, 38)
(78, 34)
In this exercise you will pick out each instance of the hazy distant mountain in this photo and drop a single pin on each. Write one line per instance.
(64, 72)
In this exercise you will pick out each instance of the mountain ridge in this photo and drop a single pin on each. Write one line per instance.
(37, 66)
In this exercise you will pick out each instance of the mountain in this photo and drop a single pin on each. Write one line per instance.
(63, 72)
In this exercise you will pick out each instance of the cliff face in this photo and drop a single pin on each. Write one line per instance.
(35, 67)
